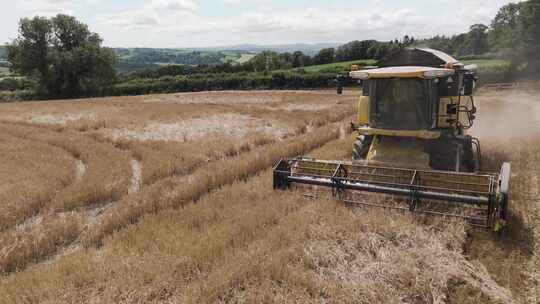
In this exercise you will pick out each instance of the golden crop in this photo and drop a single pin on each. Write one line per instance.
(203, 224)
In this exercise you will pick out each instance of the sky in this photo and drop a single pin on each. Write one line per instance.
(203, 23)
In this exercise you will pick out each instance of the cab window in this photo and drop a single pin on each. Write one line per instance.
(402, 103)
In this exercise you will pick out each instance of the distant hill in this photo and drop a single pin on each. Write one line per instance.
(136, 59)
(309, 49)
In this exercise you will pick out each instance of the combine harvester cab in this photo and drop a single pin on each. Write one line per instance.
(412, 143)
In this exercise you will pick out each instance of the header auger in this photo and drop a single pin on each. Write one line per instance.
(412, 143)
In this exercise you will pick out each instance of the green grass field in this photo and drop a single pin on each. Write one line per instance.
(482, 64)
(237, 57)
(337, 65)
(487, 63)
(168, 63)
(245, 57)
(230, 57)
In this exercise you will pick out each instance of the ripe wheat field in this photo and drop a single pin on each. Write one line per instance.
(168, 199)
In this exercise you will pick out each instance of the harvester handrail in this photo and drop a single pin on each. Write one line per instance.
(425, 179)
(410, 172)
(481, 174)
(382, 183)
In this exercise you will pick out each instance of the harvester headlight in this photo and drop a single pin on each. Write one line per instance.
(359, 75)
(438, 73)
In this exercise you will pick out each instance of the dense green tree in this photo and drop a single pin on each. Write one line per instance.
(266, 61)
(515, 30)
(379, 50)
(357, 50)
(325, 56)
(456, 45)
(299, 60)
(62, 55)
(474, 42)
(529, 26)
(504, 27)
(477, 40)
(407, 41)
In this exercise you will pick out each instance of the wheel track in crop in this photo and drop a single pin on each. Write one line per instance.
(87, 214)
(136, 176)
(33, 236)
(79, 168)
(91, 215)
(203, 181)
(337, 130)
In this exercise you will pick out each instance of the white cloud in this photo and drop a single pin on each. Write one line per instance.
(315, 22)
(174, 5)
(51, 7)
(180, 23)
(244, 1)
(45, 7)
(156, 15)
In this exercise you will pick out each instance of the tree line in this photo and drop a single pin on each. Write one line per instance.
(474, 42)
(514, 34)
(354, 50)
(268, 61)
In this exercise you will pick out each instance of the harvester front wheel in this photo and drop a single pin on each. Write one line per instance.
(361, 147)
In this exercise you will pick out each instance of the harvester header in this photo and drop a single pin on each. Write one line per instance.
(486, 195)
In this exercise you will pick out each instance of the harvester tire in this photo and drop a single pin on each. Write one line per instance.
(361, 147)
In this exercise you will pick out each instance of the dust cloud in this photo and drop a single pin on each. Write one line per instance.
(507, 114)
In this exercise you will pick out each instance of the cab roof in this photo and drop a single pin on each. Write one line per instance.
(403, 72)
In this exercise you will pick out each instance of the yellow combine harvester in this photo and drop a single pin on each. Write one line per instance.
(412, 142)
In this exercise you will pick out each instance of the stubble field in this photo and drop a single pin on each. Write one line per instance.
(168, 199)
